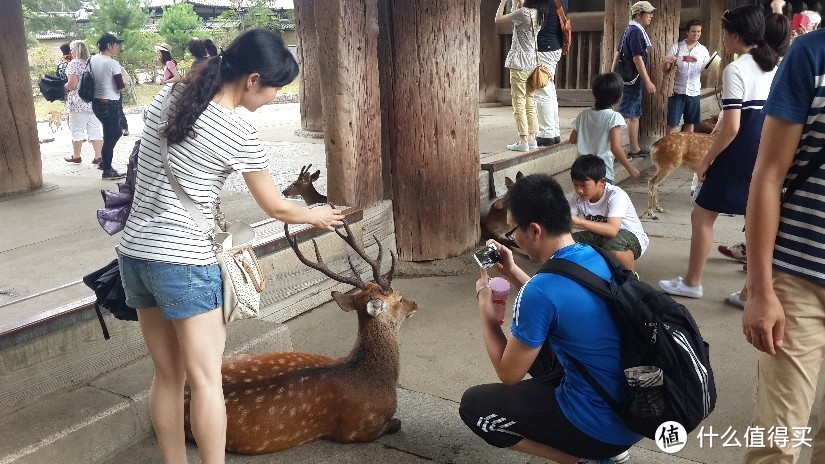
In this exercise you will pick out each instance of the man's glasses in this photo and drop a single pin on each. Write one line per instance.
(509, 235)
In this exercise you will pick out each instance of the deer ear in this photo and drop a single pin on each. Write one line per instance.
(315, 175)
(498, 204)
(376, 307)
(519, 176)
(508, 182)
(344, 300)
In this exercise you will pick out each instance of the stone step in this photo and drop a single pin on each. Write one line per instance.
(110, 413)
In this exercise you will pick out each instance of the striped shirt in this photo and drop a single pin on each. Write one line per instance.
(746, 86)
(798, 95)
(159, 227)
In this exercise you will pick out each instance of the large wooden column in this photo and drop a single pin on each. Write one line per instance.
(348, 65)
(20, 166)
(711, 11)
(312, 111)
(433, 114)
(489, 68)
(663, 32)
(616, 16)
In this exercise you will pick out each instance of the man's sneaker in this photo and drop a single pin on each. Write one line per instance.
(735, 298)
(678, 287)
(737, 252)
(620, 458)
(642, 153)
(532, 144)
(519, 146)
(111, 174)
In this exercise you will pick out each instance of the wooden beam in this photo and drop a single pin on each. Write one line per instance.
(489, 69)
(663, 32)
(312, 109)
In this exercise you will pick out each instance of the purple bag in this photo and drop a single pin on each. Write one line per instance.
(117, 205)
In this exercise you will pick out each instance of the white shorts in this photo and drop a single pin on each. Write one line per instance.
(85, 122)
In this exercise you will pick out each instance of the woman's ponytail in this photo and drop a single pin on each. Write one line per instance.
(194, 100)
(764, 56)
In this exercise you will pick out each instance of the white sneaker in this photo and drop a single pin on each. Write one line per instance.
(623, 457)
(532, 144)
(678, 287)
(519, 146)
(736, 299)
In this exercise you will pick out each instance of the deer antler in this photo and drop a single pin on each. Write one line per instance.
(320, 265)
(304, 170)
(375, 264)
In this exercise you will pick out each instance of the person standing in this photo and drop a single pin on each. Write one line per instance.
(106, 103)
(82, 121)
(167, 263)
(633, 47)
(784, 315)
(549, 43)
(60, 69)
(689, 58)
(170, 67)
(521, 61)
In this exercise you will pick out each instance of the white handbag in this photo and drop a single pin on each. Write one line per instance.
(241, 274)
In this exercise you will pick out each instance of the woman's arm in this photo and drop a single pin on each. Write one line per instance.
(728, 128)
(71, 83)
(173, 68)
(267, 196)
(500, 16)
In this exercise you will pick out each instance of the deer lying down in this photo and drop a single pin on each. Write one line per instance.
(495, 223)
(276, 401)
(303, 187)
(668, 153)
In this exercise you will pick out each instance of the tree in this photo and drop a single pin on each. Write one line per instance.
(125, 18)
(45, 15)
(179, 24)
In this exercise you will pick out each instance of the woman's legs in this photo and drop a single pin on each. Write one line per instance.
(518, 93)
(202, 339)
(166, 393)
(701, 240)
(530, 111)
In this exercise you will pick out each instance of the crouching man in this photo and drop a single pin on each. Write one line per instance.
(555, 414)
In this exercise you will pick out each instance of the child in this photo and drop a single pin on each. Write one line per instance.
(598, 130)
(605, 212)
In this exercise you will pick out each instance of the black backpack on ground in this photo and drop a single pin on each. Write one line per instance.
(655, 330)
(51, 87)
(86, 87)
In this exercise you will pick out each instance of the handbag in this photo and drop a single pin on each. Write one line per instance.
(540, 76)
(109, 294)
(51, 87)
(626, 68)
(86, 88)
(241, 273)
(566, 29)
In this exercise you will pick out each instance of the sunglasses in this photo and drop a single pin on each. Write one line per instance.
(509, 235)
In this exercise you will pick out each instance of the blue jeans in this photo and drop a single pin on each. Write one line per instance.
(179, 290)
(680, 104)
(630, 106)
(108, 113)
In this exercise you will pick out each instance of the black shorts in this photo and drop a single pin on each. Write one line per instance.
(503, 415)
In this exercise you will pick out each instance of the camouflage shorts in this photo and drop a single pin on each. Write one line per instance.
(625, 240)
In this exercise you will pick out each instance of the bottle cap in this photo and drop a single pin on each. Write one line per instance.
(499, 286)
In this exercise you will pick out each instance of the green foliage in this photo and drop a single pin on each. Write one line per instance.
(138, 50)
(118, 17)
(179, 24)
(36, 20)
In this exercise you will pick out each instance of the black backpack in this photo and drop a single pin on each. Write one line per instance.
(51, 87)
(625, 66)
(86, 88)
(655, 331)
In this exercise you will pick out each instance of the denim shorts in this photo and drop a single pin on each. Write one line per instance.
(680, 104)
(179, 290)
(630, 106)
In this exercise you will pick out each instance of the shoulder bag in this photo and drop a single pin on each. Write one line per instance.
(540, 76)
(566, 29)
(86, 87)
(241, 273)
(626, 68)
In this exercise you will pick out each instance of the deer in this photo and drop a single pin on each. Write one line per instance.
(667, 154)
(279, 400)
(303, 187)
(495, 224)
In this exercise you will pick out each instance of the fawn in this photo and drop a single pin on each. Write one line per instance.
(495, 224)
(276, 401)
(303, 187)
(670, 152)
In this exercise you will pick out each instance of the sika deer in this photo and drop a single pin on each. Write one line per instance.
(670, 152)
(495, 224)
(276, 401)
(303, 187)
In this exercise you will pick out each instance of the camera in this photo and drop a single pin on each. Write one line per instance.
(487, 256)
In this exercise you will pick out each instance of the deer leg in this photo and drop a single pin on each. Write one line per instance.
(652, 195)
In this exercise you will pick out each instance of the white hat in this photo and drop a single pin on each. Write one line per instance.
(163, 46)
(641, 7)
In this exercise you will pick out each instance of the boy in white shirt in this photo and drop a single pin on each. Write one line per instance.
(605, 212)
(598, 130)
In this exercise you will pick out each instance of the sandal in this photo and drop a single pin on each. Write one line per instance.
(72, 159)
(96, 161)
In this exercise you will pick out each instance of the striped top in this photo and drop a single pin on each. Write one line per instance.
(159, 227)
(746, 86)
(798, 95)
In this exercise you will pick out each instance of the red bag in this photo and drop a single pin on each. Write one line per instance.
(566, 29)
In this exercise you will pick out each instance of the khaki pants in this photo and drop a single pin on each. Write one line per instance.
(786, 383)
(524, 103)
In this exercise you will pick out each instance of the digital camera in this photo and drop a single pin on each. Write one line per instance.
(487, 256)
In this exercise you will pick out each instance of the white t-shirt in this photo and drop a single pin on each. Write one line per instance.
(614, 203)
(592, 134)
(104, 68)
(689, 73)
(159, 227)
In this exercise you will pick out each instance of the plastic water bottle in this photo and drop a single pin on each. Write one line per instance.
(500, 288)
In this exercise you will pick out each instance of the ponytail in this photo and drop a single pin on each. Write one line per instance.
(764, 56)
(194, 100)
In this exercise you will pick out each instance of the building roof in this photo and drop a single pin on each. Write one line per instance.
(275, 4)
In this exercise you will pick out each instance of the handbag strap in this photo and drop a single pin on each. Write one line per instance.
(535, 39)
(185, 200)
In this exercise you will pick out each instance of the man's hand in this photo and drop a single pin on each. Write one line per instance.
(763, 322)
(649, 87)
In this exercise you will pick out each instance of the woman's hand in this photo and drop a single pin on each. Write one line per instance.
(327, 219)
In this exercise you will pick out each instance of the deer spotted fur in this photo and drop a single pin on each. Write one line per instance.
(276, 401)
(303, 187)
(667, 154)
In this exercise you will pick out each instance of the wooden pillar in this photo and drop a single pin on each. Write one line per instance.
(387, 77)
(433, 114)
(312, 110)
(712, 35)
(616, 16)
(489, 66)
(20, 166)
(348, 64)
(663, 32)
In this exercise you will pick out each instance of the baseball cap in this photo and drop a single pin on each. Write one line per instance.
(163, 46)
(641, 7)
(107, 39)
